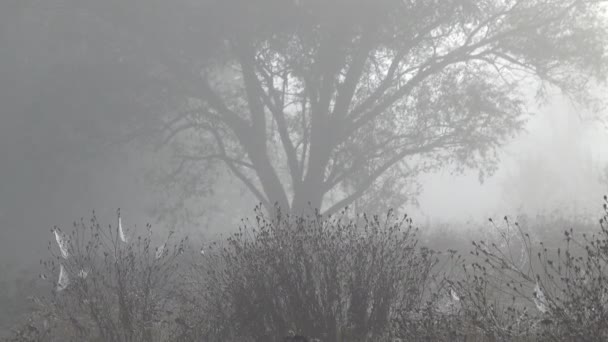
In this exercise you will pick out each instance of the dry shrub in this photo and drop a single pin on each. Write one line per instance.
(336, 279)
(519, 290)
(111, 290)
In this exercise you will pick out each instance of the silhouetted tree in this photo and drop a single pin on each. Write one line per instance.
(320, 103)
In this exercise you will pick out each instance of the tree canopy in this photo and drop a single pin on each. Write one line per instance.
(321, 103)
(318, 104)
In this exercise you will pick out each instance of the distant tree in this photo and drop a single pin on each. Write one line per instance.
(321, 103)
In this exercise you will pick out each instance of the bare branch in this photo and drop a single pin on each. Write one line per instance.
(240, 175)
(279, 117)
(377, 173)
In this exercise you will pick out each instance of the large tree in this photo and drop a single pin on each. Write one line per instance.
(320, 103)
(315, 104)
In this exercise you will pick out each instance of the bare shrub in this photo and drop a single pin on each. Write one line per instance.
(336, 279)
(551, 293)
(105, 288)
(323, 279)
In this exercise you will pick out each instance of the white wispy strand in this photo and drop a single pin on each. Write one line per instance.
(121, 232)
(539, 299)
(454, 295)
(160, 251)
(64, 280)
(83, 274)
(62, 242)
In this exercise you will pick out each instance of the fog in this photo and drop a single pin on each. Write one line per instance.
(558, 163)
(71, 139)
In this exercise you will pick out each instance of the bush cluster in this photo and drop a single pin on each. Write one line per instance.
(335, 279)
(313, 278)
(103, 287)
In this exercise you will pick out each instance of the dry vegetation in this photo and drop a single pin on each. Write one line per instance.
(337, 279)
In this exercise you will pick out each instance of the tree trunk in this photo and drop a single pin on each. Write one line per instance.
(307, 199)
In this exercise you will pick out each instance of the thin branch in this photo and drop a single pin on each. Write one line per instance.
(236, 123)
(219, 156)
(231, 165)
(377, 173)
(346, 90)
(279, 117)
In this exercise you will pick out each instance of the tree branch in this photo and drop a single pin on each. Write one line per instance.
(241, 176)
(346, 90)
(376, 174)
(279, 117)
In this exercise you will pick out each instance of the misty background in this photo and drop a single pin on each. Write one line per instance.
(71, 140)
